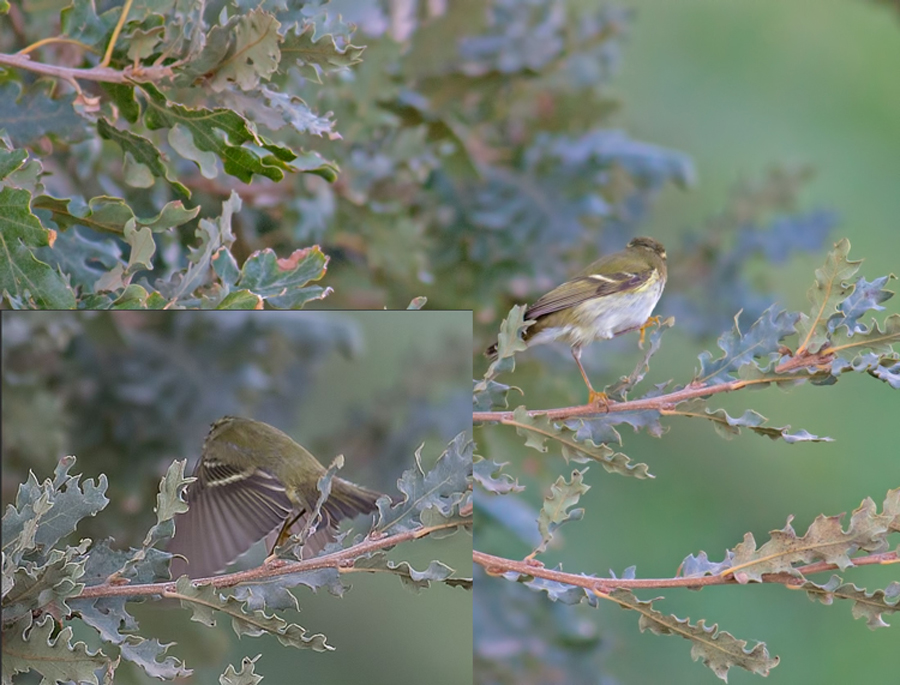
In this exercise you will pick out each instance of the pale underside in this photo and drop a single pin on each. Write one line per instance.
(599, 318)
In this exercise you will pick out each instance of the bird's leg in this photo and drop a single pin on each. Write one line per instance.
(653, 320)
(594, 397)
(285, 531)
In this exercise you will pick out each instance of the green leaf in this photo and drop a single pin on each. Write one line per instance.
(213, 235)
(488, 393)
(27, 116)
(142, 248)
(728, 426)
(556, 510)
(106, 214)
(825, 295)
(142, 150)
(30, 645)
(252, 55)
(761, 342)
(869, 605)
(45, 587)
(718, 649)
(487, 474)
(443, 489)
(878, 340)
(412, 579)
(246, 676)
(26, 281)
(203, 600)
(575, 445)
(825, 540)
(123, 96)
(284, 283)
(11, 160)
(316, 55)
(241, 299)
(222, 132)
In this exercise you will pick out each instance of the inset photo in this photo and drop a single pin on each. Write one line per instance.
(191, 495)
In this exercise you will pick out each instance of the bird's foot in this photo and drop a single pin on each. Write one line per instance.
(652, 321)
(601, 399)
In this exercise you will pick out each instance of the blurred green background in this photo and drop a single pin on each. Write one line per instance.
(129, 392)
(741, 87)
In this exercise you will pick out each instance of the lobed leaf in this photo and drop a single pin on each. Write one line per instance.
(284, 283)
(864, 297)
(410, 577)
(142, 151)
(252, 54)
(316, 55)
(557, 505)
(719, 650)
(825, 295)
(761, 342)
(728, 426)
(25, 281)
(576, 445)
(488, 474)
(30, 645)
(224, 133)
(868, 605)
(273, 593)
(204, 600)
(246, 676)
(443, 489)
(825, 540)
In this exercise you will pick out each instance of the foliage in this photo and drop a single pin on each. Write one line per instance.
(465, 154)
(780, 348)
(155, 91)
(44, 580)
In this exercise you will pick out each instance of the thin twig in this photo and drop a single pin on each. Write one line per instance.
(99, 73)
(661, 403)
(279, 567)
(498, 565)
(115, 34)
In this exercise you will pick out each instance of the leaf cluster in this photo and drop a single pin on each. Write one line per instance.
(179, 89)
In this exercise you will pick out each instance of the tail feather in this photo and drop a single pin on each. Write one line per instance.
(348, 500)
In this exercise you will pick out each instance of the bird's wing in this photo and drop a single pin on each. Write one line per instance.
(583, 288)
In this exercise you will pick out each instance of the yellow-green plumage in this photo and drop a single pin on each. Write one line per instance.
(615, 294)
(251, 479)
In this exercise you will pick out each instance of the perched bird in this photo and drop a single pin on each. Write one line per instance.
(251, 480)
(615, 294)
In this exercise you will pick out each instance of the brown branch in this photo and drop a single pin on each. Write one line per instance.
(100, 73)
(279, 567)
(664, 403)
(497, 565)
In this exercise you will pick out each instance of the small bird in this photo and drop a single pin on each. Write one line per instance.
(251, 479)
(615, 294)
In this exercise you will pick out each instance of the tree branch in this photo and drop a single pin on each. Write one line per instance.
(279, 567)
(662, 403)
(498, 565)
(100, 73)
